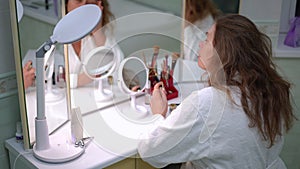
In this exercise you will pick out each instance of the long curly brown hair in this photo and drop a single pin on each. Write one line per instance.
(246, 56)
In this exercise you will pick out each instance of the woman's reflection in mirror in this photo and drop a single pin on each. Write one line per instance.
(102, 35)
(199, 17)
(28, 75)
(131, 79)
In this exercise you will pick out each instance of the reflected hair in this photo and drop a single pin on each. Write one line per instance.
(246, 56)
(199, 9)
(107, 15)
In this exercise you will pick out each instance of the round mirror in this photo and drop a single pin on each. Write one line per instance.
(76, 24)
(132, 79)
(99, 64)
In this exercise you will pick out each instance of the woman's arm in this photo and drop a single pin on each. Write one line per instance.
(176, 139)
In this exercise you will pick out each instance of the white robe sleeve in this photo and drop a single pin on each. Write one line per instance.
(176, 139)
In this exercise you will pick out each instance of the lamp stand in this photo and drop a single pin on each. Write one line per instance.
(58, 150)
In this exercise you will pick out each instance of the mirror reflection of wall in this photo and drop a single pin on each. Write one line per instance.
(199, 17)
(142, 24)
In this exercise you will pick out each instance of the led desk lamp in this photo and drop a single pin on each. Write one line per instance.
(72, 27)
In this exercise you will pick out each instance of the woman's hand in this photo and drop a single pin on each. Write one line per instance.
(159, 103)
(28, 74)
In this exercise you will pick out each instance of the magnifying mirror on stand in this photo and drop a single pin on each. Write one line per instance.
(132, 80)
(72, 27)
(51, 95)
(99, 64)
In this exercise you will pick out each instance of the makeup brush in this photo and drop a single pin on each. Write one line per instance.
(155, 54)
(175, 56)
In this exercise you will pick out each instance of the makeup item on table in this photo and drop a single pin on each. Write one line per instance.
(110, 80)
(76, 124)
(19, 133)
(167, 58)
(175, 56)
(153, 76)
(164, 74)
(155, 55)
(60, 80)
(147, 93)
(167, 76)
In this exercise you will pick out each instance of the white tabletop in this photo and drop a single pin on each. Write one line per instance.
(116, 133)
(116, 128)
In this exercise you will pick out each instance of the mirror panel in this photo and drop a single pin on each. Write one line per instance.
(33, 29)
(147, 23)
(137, 25)
(38, 23)
(199, 17)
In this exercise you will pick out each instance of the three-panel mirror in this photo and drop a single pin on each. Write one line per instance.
(84, 74)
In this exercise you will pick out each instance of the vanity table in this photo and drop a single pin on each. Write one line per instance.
(115, 134)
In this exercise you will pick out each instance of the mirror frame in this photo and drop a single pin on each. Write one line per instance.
(19, 71)
(121, 84)
(19, 74)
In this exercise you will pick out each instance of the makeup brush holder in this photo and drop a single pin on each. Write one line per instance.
(171, 91)
(167, 80)
(153, 78)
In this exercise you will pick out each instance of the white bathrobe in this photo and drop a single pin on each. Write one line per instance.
(208, 131)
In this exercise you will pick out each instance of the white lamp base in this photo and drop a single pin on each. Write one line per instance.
(58, 152)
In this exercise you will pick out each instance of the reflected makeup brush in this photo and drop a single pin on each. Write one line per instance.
(167, 57)
(145, 60)
(155, 55)
(175, 56)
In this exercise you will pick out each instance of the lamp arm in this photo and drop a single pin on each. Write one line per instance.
(40, 88)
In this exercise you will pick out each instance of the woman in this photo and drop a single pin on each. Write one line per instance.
(236, 122)
(199, 17)
(28, 74)
(102, 35)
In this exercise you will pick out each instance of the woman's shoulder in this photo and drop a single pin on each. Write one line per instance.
(202, 95)
(208, 95)
(207, 91)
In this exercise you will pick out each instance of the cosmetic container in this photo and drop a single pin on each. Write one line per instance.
(147, 93)
(19, 134)
(76, 125)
